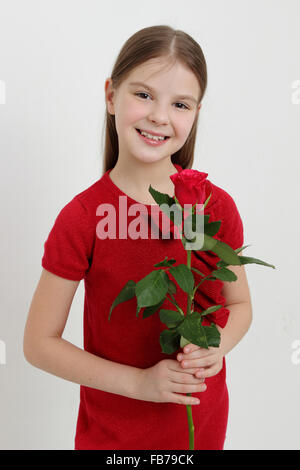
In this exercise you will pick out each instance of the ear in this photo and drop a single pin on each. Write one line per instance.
(109, 94)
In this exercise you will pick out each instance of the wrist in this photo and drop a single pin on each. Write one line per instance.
(221, 348)
(134, 385)
(138, 384)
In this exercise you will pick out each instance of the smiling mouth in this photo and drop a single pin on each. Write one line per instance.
(165, 137)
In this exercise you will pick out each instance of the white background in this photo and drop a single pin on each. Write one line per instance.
(54, 59)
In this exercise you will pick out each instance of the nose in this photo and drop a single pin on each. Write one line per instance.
(159, 115)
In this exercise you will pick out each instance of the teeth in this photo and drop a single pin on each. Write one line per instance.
(153, 137)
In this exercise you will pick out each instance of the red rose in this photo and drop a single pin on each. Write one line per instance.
(189, 189)
(190, 186)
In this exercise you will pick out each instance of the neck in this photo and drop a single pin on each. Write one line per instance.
(135, 178)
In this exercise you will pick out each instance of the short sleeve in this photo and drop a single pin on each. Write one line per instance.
(232, 233)
(68, 248)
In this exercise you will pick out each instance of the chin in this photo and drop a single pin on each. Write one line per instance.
(150, 159)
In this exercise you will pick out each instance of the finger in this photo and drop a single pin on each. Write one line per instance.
(182, 378)
(210, 371)
(200, 352)
(196, 352)
(183, 399)
(200, 373)
(188, 388)
(177, 368)
(202, 362)
(190, 347)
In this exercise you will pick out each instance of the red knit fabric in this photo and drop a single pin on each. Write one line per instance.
(74, 251)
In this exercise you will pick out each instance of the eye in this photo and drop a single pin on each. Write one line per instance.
(185, 107)
(142, 93)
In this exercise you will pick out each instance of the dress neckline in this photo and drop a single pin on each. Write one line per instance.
(119, 191)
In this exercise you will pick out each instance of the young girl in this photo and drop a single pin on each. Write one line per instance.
(132, 396)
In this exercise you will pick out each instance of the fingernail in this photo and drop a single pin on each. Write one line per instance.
(187, 350)
(179, 357)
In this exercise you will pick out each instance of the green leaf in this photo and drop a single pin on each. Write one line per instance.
(183, 341)
(207, 200)
(161, 198)
(176, 200)
(170, 317)
(249, 260)
(224, 274)
(169, 341)
(172, 287)
(201, 242)
(192, 329)
(197, 271)
(184, 277)
(212, 228)
(241, 248)
(165, 262)
(148, 311)
(173, 209)
(152, 288)
(222, 264)
(127, 292)
(226, 253)
(209, 243)
(212, 309)
(213, 335)
(138, 309)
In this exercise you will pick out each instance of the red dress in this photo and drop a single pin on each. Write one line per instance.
(74, 251)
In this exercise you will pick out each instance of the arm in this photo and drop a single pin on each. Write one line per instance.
(238, 301)
(45, 348)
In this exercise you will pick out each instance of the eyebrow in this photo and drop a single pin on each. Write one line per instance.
(181, 97)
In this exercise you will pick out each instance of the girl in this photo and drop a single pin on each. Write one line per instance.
(132, 396)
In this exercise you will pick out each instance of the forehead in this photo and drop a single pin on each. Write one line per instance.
(165, 75)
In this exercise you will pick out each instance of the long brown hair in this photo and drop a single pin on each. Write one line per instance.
(149, 43)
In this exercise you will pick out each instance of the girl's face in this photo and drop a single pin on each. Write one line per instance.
(154, 98)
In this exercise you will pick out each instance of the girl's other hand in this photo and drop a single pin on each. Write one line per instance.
(166, 381)
(206, 362)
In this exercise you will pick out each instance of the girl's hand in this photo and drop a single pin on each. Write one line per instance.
(166, 381)
(208, 362)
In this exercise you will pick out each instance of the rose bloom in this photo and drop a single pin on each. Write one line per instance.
(190, 188)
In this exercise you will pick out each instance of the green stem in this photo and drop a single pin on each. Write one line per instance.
(189, 407)
(190, 297)
(174, 303)
(202, 280)
(191, 426)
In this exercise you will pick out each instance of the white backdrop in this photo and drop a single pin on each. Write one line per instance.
(54, 59)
